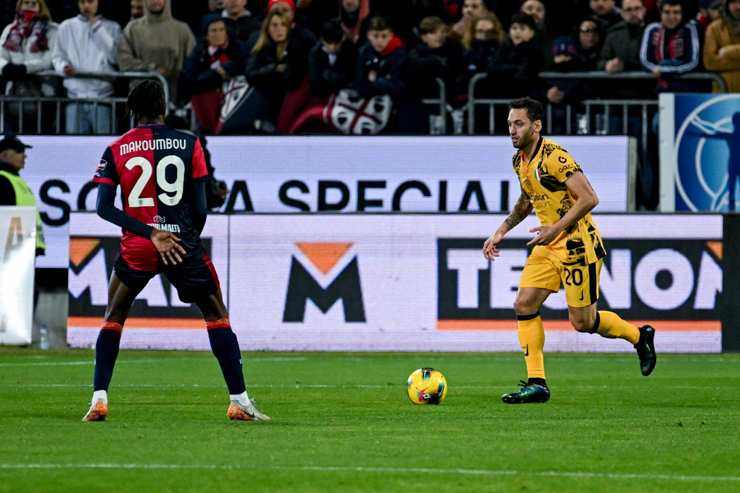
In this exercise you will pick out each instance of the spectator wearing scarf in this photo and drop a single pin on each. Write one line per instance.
(218, 58)
(26, 47)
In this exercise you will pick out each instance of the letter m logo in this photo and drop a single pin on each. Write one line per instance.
(303, 285)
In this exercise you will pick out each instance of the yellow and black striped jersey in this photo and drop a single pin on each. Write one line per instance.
(542, 179)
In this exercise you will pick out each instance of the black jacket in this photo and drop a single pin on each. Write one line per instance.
(425, 64)
(388, 67)
(244, 26)
(623, 41)
(197, 75)
(241, 28)
(610, 19)
(478, 58)
(514, 70)
(326, 79)
(263, 67)
(576, 90)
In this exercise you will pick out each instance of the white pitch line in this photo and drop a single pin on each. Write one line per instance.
(381, 470)
(209, 386)
(147, 360)
(288, 386)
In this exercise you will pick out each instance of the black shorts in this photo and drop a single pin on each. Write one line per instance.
(194, 278)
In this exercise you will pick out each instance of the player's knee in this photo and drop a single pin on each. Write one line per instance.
(523, 306)
(117, 314)
(582, 324)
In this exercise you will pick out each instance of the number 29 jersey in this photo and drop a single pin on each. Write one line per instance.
(156, 168)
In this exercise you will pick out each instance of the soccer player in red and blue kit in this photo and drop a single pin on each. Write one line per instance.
(161, 172)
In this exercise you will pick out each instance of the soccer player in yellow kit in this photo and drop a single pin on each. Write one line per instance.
(567, 249)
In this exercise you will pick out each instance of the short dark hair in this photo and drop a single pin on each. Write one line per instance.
(146, 100)
(671, 2)
(524, 19)
(331, 31)
(534, 108)
(379, 24)
(431, 24)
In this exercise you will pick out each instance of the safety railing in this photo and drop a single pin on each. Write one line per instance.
(583, 123)
(43, 104)
(596, 74)
(438, 123)
(42, 123)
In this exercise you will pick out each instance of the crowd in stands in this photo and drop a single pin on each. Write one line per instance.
(355, 66)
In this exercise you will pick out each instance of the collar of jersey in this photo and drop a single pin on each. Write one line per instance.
(536, 151)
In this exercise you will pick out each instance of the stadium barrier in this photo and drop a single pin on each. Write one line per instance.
(331, 174)
(637, 75)
(438, 123)
(42, 104)
(592, 116)
(411, 282)
(17, 252)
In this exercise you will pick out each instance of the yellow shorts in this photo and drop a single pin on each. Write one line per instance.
(545, 270)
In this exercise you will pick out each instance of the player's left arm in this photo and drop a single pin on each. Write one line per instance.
(200, 179)
(200, 211)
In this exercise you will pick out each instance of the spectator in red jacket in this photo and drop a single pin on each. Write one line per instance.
(380, 62)
(216, 59)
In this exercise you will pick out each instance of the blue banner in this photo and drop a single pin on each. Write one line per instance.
(707, 149)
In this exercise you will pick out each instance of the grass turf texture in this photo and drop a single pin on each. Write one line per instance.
(342, 422)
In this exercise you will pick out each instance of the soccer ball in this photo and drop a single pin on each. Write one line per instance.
(426, 386)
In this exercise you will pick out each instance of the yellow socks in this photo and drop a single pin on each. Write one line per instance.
(532, 341)
(609, 324)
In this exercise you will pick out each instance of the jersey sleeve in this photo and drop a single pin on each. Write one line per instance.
(200, 170)
(561, 165)
(106, 173)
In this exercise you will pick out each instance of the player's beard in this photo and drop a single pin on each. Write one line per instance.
(524, 140)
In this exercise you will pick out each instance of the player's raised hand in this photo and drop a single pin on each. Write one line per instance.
(168, 246)
(490, 247)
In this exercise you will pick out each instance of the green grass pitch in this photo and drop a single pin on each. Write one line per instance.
(341, 422)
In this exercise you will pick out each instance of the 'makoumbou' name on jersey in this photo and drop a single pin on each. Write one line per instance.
(543, 178)
(153, 145)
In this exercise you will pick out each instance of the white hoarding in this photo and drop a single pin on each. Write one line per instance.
(17, 252)
(314, 174)
(417, 282)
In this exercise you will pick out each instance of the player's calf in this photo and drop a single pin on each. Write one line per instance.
(584, 319)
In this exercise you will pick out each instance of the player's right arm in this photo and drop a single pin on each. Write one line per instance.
(106, 178)
(521, 210)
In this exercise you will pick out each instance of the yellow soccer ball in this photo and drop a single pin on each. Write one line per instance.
(426, 386)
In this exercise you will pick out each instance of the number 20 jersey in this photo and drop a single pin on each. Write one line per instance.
(156, 168)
